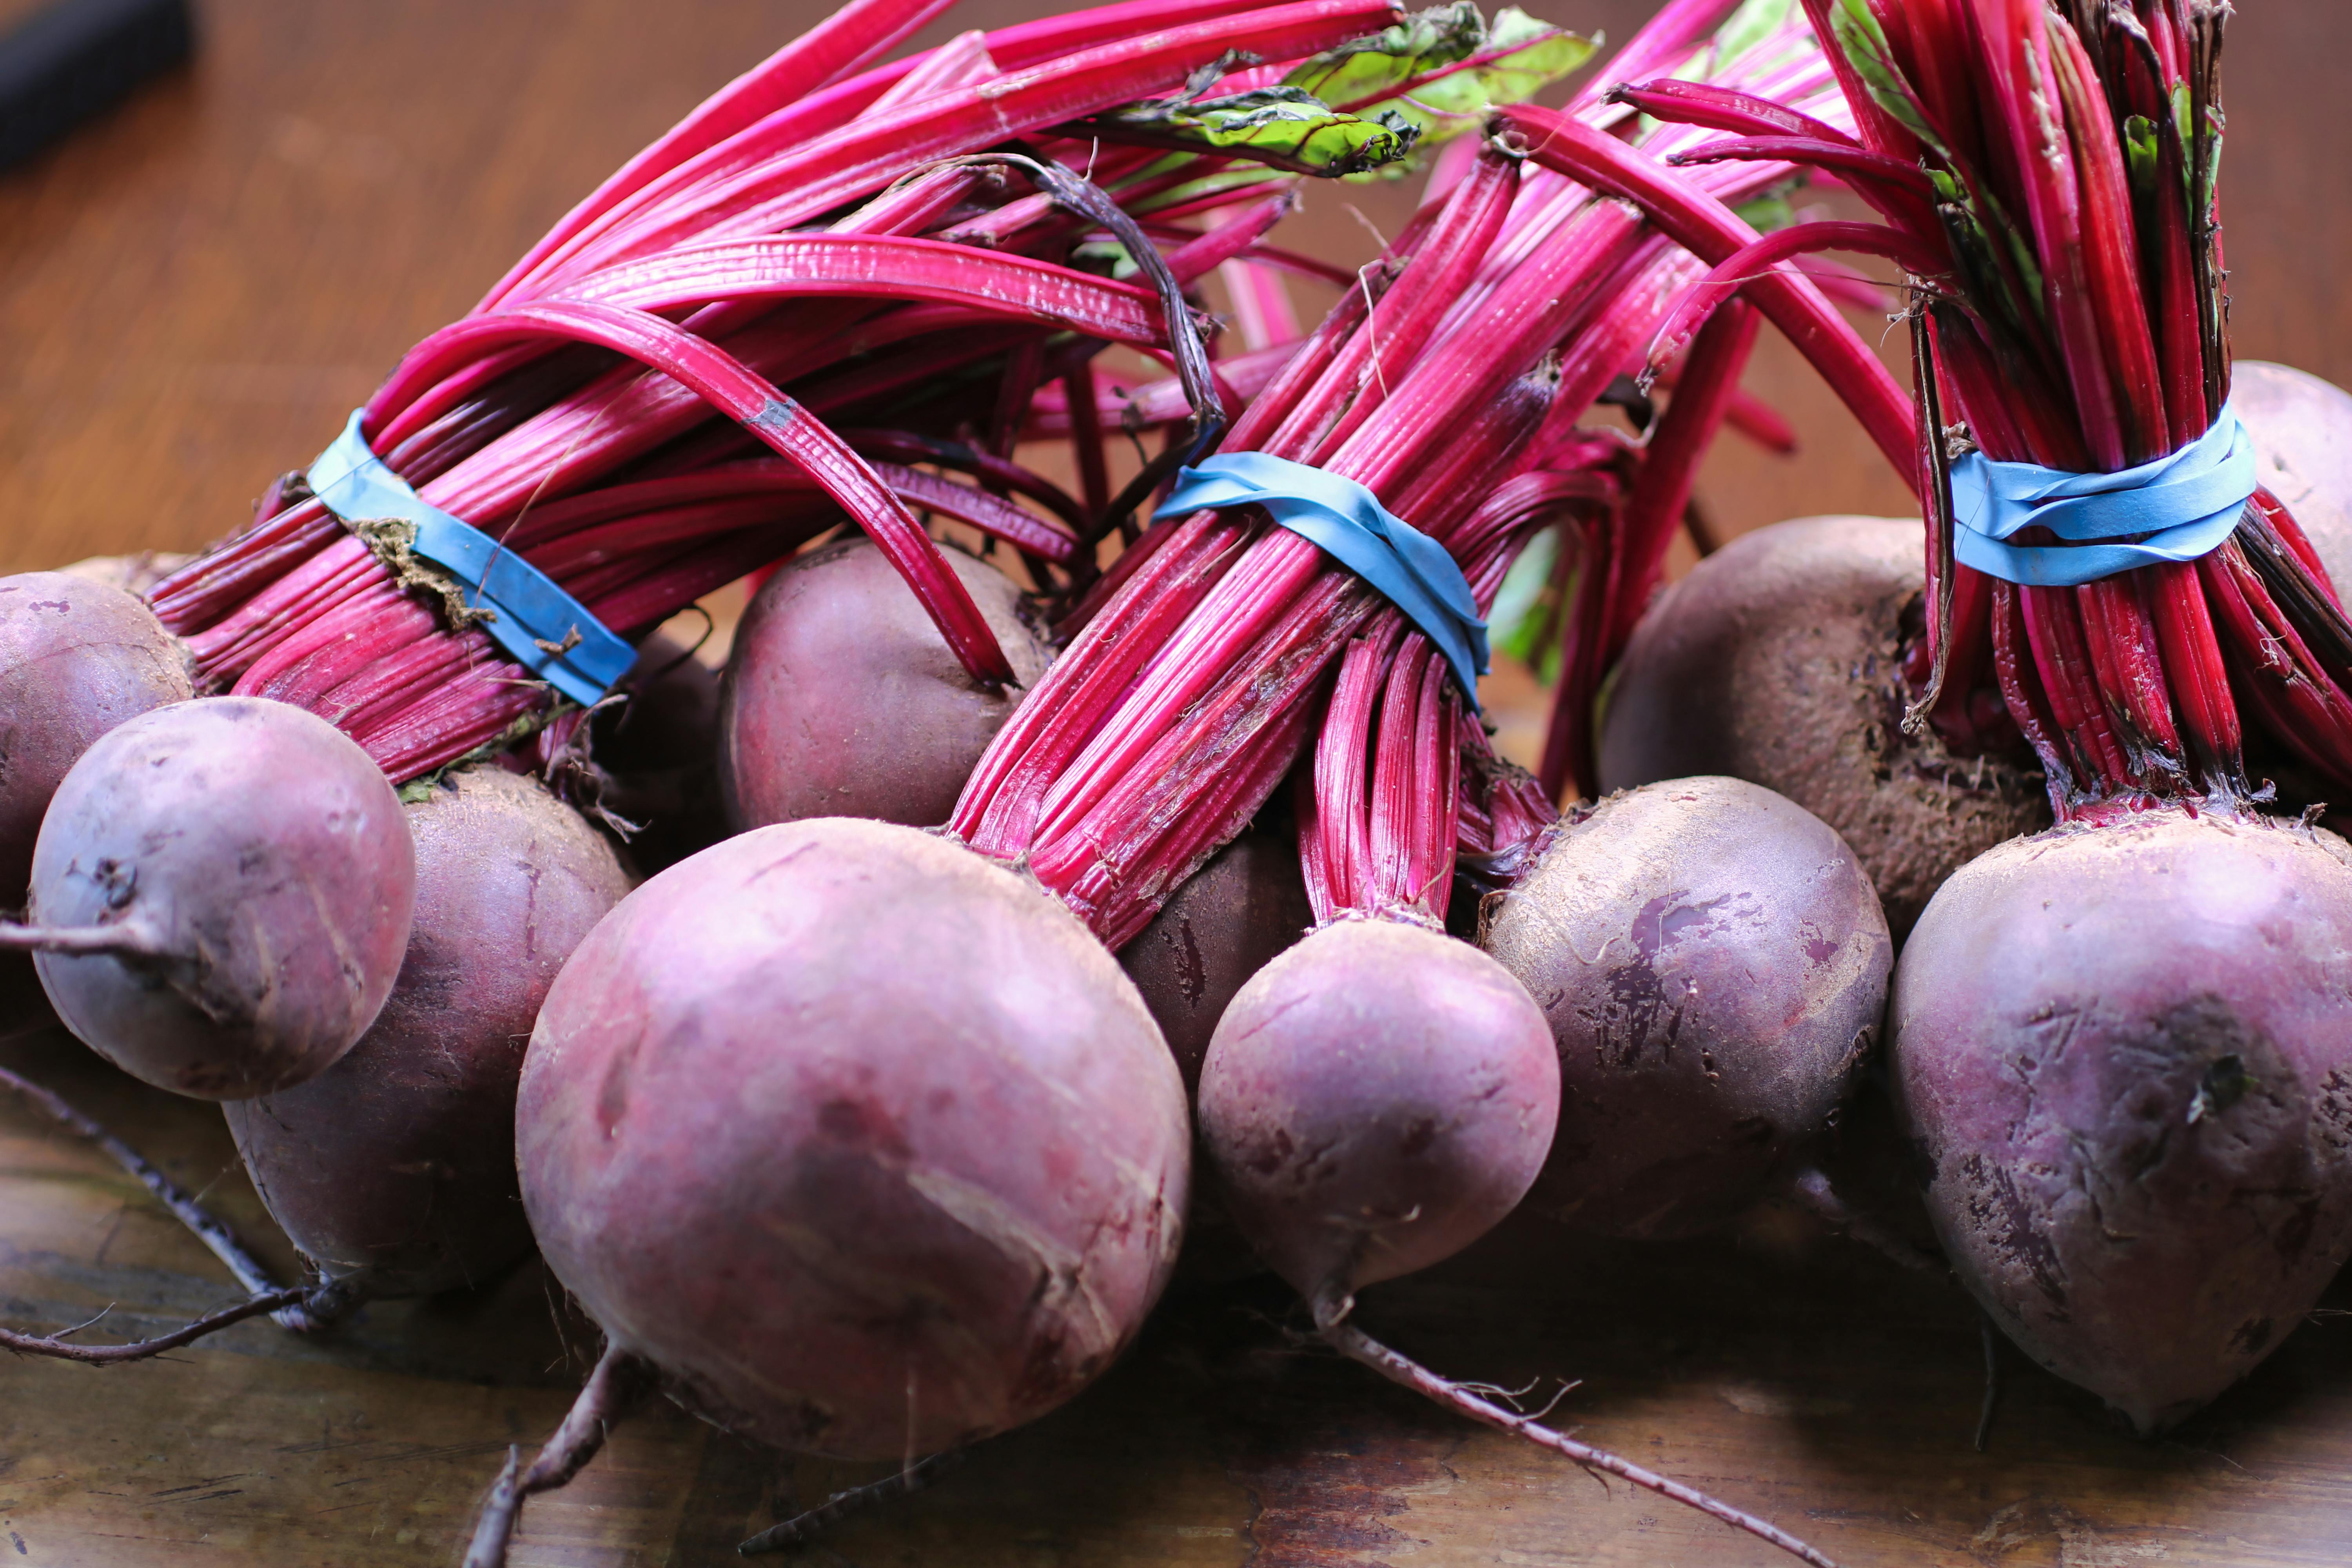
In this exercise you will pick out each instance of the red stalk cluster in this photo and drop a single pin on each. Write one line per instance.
(640, 408)
(1221, 650)
(2045, 175)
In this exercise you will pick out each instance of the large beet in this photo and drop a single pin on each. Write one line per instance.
(840, 699)
(2125, 1057)
(393, 1171)
(1778, 661)
(1713, 965)
(860, 1141)
(2302, 428)
(77, 657)
(221, 894)
(1226, 923)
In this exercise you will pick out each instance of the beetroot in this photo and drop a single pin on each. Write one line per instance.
(856, 1142)
(840, 699)
(393, 1171)
(1226, 922)
(2123, 1056)
(657, 756)
(77, 658)
(1778, 660)
(1375, 1099)
(2302, 428)
(1713, 967)
(220, 898)
(133, 573)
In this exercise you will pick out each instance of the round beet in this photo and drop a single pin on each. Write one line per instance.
(862, 1142)
(1226, 923)
(77, 657)
(133, 574)
(1375, 1099)
(657, 755)
(1778, 660)
(841, 701)
(221, 895)
(1713, 965)
(2123, 1057)
(393, 1171)
(2302, 428)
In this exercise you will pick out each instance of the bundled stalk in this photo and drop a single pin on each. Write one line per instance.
(2046, 179)
(639, 411)
(1447, 386)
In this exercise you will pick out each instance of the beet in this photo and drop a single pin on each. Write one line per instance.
(77, 658)
(133, 573)
(861, 1141)
(2302, 428)
(1226, 922)
(221, 895)
(1713, 967)
(393, 1171)
(1778, 660)
(2123, 1056)
(840, 699)
(657, 755)
(1375, 1099)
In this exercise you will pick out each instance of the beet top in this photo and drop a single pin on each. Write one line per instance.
(2122, 1054)
(221, 897)
(859, 1140)
(393, 1171)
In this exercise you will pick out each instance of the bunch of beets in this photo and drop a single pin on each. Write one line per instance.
(1043, 837)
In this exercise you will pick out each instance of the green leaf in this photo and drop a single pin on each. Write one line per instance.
(1441, 70)
(1755, 21)
(1521, 620)
(2142, 158)
(1285, 126)
(1376, 64)
(1864, 45)
(1769, 211)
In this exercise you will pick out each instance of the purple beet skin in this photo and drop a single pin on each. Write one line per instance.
(1713, 964)
(840, 699)
(393, 1171)
(221, 894)
(2123, 1054)
(861, 1141)
(77, 657)
(1375, 1099)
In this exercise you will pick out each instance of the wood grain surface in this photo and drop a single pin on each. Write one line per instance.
(192, 294)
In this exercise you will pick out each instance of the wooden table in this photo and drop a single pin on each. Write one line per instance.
(192, 294)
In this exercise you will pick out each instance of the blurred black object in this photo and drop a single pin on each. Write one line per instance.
(77, 58)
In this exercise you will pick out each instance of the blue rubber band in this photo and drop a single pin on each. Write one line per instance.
(546, 630)
(2175, 508)
(1347, 522)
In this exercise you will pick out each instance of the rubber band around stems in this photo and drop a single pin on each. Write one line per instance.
(1347, 522)
(2175, 509)
(543, 628)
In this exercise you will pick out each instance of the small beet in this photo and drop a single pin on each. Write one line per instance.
(221, 895)
(2123, 1055)
(658, 755)
(2302, 428)
(840, 699)
(393, 1171)
(1713, 965)
(1778, 660)
(1375, 1099)
(860, 1141)
(1226, 922)
(77, 657)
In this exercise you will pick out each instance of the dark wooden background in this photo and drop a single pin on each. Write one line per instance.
(192, 296)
